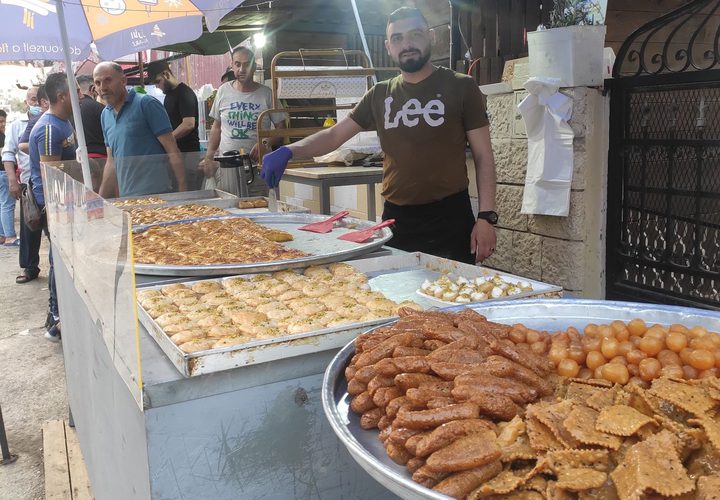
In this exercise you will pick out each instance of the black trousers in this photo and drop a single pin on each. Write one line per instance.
(29, 246)
(440, 228)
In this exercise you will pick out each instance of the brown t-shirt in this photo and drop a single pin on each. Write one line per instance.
(422, 130)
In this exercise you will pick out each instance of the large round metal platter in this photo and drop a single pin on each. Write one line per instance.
(322, 248)
(543, 314)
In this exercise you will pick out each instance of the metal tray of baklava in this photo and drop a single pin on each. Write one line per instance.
(321, 248)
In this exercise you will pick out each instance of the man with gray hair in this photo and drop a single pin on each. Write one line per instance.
(138, 138)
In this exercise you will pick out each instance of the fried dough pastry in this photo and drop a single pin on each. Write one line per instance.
(566, 438)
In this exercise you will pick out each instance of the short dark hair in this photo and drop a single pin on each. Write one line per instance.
(157, 67)
(54, 85)
(406, 13)
(41, 93)
(3, 114)
(246, 50)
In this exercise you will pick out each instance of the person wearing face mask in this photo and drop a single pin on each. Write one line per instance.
(423, 117)
(12, 155)
(37, 112)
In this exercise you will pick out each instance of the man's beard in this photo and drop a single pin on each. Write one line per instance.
(167, 87)
(413, 65)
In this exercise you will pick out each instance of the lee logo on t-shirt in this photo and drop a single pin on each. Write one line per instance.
(433, 113)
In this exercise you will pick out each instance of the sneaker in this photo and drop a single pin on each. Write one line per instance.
(53, 333)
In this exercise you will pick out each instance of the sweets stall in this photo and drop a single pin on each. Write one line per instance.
(253, 430)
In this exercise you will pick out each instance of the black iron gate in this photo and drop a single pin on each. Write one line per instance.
(663, 225)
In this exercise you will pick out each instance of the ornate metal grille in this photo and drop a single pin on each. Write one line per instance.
(664, 165)
(684, 40)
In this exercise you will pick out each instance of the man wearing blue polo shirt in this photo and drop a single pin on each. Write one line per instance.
(139, 139)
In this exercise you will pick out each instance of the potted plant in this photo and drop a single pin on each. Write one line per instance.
(572, 48)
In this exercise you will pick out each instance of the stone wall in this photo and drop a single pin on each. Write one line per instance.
(566, 251)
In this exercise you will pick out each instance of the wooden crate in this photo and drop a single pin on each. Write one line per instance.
(66, 476)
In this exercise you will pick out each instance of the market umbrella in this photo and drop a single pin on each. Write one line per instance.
(64, 31)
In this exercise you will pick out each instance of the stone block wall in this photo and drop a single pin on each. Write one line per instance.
(566, 251)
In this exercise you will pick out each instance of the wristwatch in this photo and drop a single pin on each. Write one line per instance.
(489, 216)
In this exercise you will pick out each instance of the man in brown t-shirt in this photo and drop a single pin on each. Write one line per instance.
(423, 118)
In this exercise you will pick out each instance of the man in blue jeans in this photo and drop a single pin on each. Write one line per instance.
(12, 155)
(52, 139)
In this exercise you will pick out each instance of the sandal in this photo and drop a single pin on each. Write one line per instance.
(13, 243)
(25, 278)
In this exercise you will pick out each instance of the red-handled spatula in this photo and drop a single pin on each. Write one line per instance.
(365, 234)
(324, 226)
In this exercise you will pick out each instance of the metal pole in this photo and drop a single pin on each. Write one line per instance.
(362, 38)
(141, 67)
(7, 458)
(72, 84)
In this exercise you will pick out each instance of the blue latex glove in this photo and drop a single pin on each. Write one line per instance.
(274, 165)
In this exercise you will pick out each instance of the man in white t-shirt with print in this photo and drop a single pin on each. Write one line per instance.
(236, 109)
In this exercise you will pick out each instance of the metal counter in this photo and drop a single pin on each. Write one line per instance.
(252, 432)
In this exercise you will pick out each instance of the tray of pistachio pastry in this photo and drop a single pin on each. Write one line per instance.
(210, 325)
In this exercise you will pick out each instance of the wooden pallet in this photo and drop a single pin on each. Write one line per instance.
(66, 476)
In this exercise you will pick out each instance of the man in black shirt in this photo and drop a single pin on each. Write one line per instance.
(181, 105)
(90, 111)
